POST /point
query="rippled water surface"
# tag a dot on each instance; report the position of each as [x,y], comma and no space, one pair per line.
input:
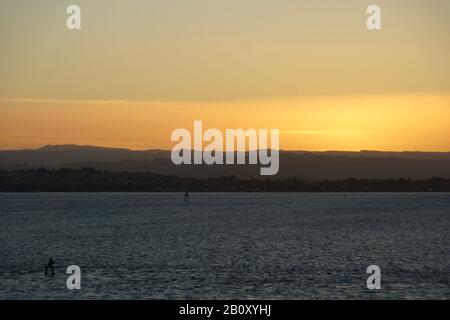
[225,245]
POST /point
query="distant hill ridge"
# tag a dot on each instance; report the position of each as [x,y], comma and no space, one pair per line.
[73,147]
[366,153]
[305,164]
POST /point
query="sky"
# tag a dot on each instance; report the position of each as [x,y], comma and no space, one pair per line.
[137,70]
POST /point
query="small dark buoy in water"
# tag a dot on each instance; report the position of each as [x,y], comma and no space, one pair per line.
[50,265]
[186,196]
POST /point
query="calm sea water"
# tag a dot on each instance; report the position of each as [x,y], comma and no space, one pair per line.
[225,245]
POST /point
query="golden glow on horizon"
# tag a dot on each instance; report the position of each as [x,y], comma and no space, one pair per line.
[398,122]
[227,63]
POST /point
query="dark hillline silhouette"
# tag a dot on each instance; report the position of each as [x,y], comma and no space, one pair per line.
[331,165]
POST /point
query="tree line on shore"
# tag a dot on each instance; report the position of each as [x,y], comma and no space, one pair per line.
[91,180]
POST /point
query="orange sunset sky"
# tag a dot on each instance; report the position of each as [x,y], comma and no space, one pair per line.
[140,69]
